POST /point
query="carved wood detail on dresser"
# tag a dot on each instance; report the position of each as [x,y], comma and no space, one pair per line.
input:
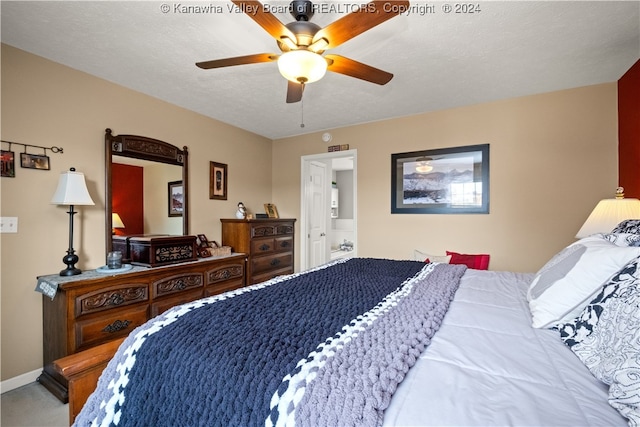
[94,308]
[269,244]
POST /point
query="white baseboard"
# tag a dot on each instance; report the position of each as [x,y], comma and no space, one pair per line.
[19,381]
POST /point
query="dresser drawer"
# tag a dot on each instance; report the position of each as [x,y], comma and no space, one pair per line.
[274,229]
[177,283]
[262,246]
[110,298]
[271,262]
[284,243]
[263,277]
[99,329]
[222,287]
[161,305]
[223,273]
[284,228]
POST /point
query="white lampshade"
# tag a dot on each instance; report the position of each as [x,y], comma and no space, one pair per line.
[116,221]
[302,66]
[72,190]
[607,214]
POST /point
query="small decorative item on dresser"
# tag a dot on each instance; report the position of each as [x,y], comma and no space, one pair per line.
[241,212]
[114,260]
[203,252]
[217,250]
[271,210]
[203,248]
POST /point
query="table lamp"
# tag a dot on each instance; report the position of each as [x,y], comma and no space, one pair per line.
[71,191]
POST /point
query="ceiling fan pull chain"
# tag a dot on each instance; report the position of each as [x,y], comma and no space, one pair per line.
[302,110]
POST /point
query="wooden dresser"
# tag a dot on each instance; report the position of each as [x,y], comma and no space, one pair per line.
[269,243]
[94,308]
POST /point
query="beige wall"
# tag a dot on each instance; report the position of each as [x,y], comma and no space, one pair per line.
[47,104]
[553,156]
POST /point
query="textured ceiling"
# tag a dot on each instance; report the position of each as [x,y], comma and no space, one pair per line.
[439,60]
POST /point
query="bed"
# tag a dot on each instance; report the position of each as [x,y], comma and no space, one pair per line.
[369,342]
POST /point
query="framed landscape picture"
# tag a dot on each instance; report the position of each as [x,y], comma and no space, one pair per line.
[176,198]
[441,181]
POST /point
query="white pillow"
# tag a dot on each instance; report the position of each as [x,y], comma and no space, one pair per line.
[425,257]
[564,286]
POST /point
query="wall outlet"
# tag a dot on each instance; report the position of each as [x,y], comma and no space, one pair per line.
[8,224]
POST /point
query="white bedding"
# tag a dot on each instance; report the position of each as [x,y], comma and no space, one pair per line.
[487,366]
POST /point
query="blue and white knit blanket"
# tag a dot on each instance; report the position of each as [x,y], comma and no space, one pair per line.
[324,347]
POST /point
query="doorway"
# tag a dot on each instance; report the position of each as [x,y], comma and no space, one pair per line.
[328,223]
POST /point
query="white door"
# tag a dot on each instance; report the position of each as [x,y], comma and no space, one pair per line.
[317,214]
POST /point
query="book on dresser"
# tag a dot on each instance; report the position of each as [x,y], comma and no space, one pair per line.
[268,243]
[94,308]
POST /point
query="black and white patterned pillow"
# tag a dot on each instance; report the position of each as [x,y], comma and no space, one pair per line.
[631,226]
[606,337]
[574,332]
[622,239]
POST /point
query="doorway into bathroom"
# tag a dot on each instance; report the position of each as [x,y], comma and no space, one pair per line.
[328,222]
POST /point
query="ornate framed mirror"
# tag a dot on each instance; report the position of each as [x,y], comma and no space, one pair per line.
[165,187]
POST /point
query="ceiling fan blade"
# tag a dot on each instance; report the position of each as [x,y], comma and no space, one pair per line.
[238,60]
[267,20]
[294,92]
[349,67]
[368,16]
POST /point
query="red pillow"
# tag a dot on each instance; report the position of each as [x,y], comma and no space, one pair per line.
[475,261]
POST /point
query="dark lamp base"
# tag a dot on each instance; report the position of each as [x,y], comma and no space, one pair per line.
[70,271]
[70,259]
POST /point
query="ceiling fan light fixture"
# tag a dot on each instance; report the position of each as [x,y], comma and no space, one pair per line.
[302,66]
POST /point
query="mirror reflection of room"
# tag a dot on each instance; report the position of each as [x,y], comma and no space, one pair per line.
[140,196]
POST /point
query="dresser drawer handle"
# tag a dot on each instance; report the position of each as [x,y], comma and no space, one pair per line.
[264,247]
[117,326]
[275,262]
[284,244]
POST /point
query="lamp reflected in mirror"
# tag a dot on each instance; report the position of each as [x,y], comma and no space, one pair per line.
[116,222]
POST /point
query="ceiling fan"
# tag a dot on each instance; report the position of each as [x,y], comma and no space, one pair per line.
[303,43]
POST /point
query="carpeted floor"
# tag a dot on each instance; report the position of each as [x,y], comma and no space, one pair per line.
[33,406]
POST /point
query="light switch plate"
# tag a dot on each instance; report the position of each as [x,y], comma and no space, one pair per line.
[8,224]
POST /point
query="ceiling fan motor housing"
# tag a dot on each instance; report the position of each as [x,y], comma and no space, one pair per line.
[301,10]
[304,32]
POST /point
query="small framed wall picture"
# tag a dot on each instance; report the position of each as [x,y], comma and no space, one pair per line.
[271,210]
[176,198]
[8,165]
[217,181]
[34,161]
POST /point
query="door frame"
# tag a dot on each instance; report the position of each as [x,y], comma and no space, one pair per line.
[304,204]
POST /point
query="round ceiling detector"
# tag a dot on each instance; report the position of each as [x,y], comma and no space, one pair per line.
[326,137]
